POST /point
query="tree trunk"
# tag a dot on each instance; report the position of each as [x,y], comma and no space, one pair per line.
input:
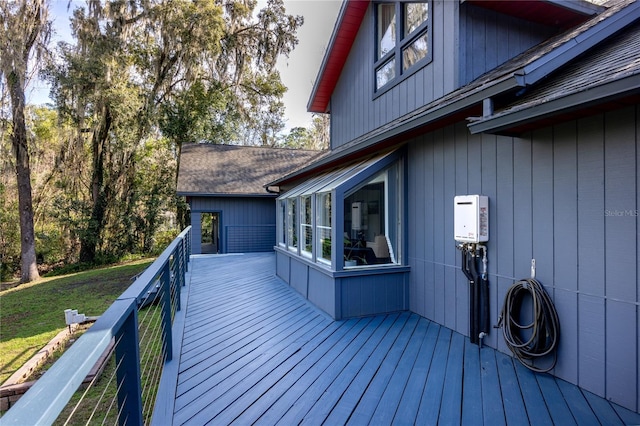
[28,267]
[91,236]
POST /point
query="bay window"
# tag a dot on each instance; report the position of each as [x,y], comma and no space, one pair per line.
[350,217]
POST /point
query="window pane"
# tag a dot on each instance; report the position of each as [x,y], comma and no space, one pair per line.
[282,239]
[415,14]
[323,222]
[385,73]
[386,28]
[306,212]
[415,51]
[324,209]
[292,239]
[306,225]
[365,223]
[372,222]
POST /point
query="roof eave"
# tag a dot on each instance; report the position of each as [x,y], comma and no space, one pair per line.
[223,195]
[546,64]
[503,123]
[344,33]
[583,7]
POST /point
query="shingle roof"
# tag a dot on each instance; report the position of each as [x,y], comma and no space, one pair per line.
[615,59]
[231,170]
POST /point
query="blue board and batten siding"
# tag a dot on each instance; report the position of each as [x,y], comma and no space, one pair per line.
[489,38]
[566,196]
[247,224]
[484,39]
[355,111]
[345,294]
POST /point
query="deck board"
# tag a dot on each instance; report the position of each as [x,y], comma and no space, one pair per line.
[338,333]
[492,405]
[429,409]
[534,402]
[582,412]
[452,392]
[472,403]
[255,352]
[288,398]
[558,409]
[368,391]
[606,414]
[349,384]
[412,394]
[515,412]
[320,386]
[390,400]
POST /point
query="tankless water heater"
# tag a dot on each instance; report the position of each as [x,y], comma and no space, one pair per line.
[471,218]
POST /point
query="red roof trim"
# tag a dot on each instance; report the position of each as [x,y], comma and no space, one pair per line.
[344,34]
[550,12]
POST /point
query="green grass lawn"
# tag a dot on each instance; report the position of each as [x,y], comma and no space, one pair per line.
[32,314]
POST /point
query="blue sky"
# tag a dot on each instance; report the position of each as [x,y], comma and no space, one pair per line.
[298,71]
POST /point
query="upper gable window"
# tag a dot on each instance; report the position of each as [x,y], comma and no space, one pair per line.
[402,40]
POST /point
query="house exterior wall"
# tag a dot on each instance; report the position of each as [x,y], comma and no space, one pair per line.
[488,39]
[345,295]
[566,196]
[247,224]
[354,109]
[467,41]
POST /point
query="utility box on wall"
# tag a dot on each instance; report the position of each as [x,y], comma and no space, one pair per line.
[471,218]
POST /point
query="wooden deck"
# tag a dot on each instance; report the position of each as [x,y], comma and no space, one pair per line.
[254,351]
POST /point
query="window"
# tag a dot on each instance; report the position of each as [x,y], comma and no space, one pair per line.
[366,200]
[323,203]
[292,224]
[282,213]
[402,40]
[371,212]
[306,226]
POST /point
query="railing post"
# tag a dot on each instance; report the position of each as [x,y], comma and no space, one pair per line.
[189,235]
[181,271]
[166,311]
[128,372]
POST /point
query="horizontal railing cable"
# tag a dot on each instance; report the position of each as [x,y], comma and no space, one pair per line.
[141,321]
[113,400]
[152,344]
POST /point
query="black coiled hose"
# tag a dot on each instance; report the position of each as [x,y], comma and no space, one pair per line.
[544,329]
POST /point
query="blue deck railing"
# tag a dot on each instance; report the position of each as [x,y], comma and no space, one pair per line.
[158,286]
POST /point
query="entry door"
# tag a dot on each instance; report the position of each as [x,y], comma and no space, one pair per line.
[210,232]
